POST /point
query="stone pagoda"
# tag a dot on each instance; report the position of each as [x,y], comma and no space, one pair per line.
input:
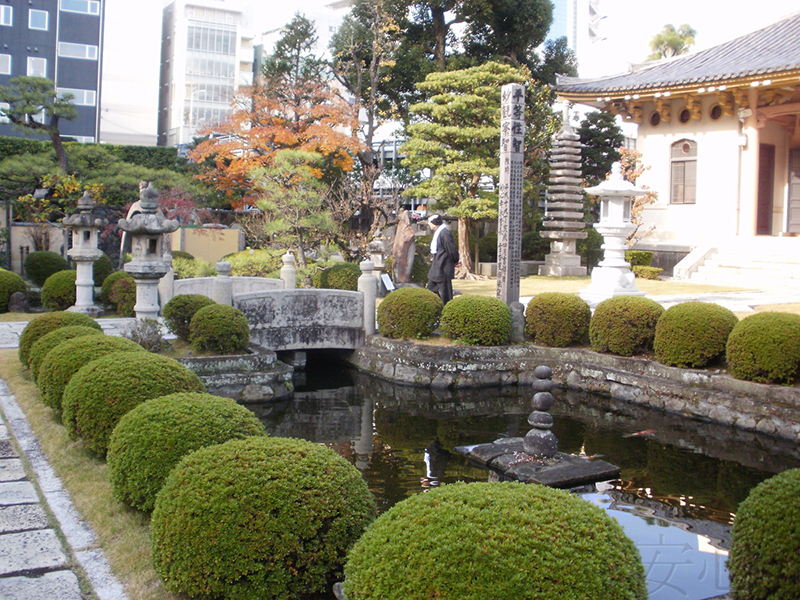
[563,219]
[85,224]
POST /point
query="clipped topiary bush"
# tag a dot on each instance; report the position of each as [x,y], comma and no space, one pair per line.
[647,272]
[494,540]
[46,323]
[639,258]
[9,284]
[123,296]
[178,312]
[624,325]
[557,319]
[42,264]
[259,518]
[47,342]
[219,329]
[341,276]
[765,347]
[104,390]
[765,541]
[182,254]
[477,320]
[153,437]
[63,361]
[101,269]
[58,292]
[105,288]
[410,312]
[693,334]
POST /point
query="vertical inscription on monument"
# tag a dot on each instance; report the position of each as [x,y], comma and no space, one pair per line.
[509,225]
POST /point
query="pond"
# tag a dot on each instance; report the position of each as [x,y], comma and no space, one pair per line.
[680,484]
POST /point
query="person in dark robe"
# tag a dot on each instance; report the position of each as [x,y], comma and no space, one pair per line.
[445,259]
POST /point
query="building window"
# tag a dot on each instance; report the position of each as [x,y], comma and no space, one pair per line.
[683,172]
[3,117]
[85,51]
[79,97]
[38,19]
[715,113]
[6,13]
[5,64]
[37,67]
[87,7]
[655,119]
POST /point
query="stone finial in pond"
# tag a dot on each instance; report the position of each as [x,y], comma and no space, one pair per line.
[540,441]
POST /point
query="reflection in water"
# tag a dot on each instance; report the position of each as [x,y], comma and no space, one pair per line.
[676,497]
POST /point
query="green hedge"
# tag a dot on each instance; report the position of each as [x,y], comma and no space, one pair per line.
[557,319]
[9,284]
[647,272]
[639,258]
[46,323]
[47,342]
[693,334]
[104,390]
[13,146]
[765,347]
[477,320]
[178,312]
[624,325]
[341,276]
[263,518]
[409,313]
[220,329]
[482,541]
[58,292]
[42,264]
[153,437]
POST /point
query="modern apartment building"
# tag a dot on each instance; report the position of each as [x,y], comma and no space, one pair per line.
[61,40]
[206,54]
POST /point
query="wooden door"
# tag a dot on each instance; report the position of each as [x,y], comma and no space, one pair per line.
[793,225]
[766,188]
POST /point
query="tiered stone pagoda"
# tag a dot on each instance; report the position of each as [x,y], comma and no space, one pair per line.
[564,205]
[85,223]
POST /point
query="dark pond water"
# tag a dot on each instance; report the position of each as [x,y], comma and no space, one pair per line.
[680,484]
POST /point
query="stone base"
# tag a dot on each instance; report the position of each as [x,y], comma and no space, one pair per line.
[508,457]
[560,271]
[92,311]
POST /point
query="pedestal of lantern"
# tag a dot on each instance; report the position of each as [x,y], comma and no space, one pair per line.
[85,223]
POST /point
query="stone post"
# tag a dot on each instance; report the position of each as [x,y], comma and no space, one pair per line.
[85,224]
[368,285]
[222,289]
[288,272]
[509,223]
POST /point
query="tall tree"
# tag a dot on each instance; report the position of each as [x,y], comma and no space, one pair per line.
[558,59]
[601,139]
[34,106]
[671,42]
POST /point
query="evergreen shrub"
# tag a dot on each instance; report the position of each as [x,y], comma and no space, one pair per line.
[494,540]
[624,325]
[639,258]
[153,437]
[101,269]
[47,342]
[765,347]
[110,280]
[419,270]
[58,292]
[46,323]
[182,254]
[647,272]
[487,248]
[63,361]
[341,276]
[408,313]
[123,296]
[261,263]
[9,284]
[178,312]
[557,319]
[219,329]
[104,390]
[42,264]
[262,517]
[477,320]
[693,334]
[186,268]
[764,560]
[534,246]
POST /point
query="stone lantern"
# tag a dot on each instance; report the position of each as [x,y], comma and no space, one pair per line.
[147,228]
[85,223]
[613,275]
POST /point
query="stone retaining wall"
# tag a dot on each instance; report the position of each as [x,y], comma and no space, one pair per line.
[701,394]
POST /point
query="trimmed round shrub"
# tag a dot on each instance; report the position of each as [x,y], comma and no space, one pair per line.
[123,296]
[557,319]
[47,342]
[409,312]
[58,292]
[46,323]
[101,269]
[104,390]
[693,334]
[494,540]
[178,312]
[765,347]
[639,258]
[182,254]
[341,276]
[42,264]
[105,288]
[764,561]
[263,518]
[63,361]
[9,284]
[477,320]
[220,329]
[624,325]
[153,437]
[647,272]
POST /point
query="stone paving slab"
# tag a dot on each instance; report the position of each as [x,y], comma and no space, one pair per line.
[11,469]
[22,517]
[58,585]
[7,449]
[17,492]
[28,551]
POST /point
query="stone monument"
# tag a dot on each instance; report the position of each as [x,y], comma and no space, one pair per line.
[403,249]
[85,224]
[564,205]
[509,222]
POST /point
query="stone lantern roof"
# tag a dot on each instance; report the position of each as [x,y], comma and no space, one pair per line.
[86,215]
[616,186]
[150,220]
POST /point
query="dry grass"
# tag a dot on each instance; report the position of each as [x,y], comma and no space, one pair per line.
[122,533]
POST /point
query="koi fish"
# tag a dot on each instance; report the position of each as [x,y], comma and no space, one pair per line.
[640,433]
